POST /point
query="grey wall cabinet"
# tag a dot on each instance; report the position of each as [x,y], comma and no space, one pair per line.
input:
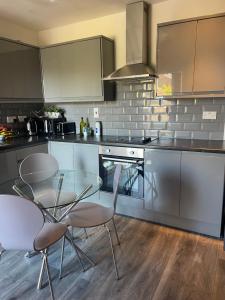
[202,187]
[162,181]
[191,58]
[210,56]
[175,56]
[74,71]
[51,72]
[20,72]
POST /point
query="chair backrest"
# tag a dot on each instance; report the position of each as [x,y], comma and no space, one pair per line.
[20,222]
[38,167]
[116,180]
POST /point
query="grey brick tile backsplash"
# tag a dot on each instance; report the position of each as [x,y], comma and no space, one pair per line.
[136,112]
[17,109]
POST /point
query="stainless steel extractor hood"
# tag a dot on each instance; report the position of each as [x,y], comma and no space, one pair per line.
[136,67]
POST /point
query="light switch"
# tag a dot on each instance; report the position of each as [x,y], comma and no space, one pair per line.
[96,114]
[21,118]
[209,115]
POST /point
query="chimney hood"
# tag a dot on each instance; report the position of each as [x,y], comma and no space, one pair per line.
[136,67]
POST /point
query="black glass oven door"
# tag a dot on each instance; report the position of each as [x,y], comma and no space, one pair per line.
[132,176]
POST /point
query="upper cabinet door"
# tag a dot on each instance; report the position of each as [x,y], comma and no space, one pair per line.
[80,69]
[175,58]
[51,72]
[210,56]
[20,72]
[73,71]
[6,70]
[33,74]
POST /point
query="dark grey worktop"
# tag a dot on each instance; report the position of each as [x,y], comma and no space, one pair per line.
[20,142]
[169,144]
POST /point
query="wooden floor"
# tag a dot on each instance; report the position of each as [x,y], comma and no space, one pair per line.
[155,262]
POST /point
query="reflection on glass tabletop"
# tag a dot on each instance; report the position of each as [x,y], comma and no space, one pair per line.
[59,189]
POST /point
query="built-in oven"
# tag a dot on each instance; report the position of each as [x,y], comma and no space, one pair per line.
[132,176]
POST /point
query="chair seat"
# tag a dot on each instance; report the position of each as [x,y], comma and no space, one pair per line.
[87,214]
[50,233]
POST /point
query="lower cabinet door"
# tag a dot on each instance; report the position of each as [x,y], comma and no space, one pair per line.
[202,187]
[162,181]
[8,166]
[64,154]
[24,152]
[86,158]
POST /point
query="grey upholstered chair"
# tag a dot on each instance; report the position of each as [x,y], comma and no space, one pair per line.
[87,215]
[34,170]
[22,227]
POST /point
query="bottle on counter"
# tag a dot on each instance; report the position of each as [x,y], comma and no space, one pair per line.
[98,128]
[87,123]
[82,125]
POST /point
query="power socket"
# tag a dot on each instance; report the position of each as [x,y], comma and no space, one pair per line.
[209,115]
[11,119]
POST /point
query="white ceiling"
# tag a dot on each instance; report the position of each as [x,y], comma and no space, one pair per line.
[44,14]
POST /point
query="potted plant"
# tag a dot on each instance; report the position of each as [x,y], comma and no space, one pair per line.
[52,111]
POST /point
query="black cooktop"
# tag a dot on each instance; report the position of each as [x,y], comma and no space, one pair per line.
[128,140]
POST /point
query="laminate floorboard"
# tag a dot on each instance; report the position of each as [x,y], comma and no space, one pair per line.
[155,263]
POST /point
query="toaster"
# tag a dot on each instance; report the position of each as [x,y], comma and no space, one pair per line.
[66,128]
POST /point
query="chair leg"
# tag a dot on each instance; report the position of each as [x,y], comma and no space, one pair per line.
[113,254]
[75,249]
[85,231]
[62,255]
[114,225]
[39,285]
[1,251]
[48,273]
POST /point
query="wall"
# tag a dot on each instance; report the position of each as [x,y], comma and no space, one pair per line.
[16,32]
[17,109]
[112,26]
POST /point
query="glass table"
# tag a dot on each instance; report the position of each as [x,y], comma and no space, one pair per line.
[58,193]
[58,190]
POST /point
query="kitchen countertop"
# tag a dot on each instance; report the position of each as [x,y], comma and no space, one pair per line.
[20,142]
[163,143]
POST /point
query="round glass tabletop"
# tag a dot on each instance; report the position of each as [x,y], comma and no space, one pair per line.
[60,189]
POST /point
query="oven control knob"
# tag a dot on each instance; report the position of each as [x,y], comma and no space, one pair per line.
[131,152]
[107,150]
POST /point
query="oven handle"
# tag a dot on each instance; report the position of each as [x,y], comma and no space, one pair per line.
[122,160]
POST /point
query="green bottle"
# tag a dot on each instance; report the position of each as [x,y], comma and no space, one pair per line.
[87,123]
[82,125]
